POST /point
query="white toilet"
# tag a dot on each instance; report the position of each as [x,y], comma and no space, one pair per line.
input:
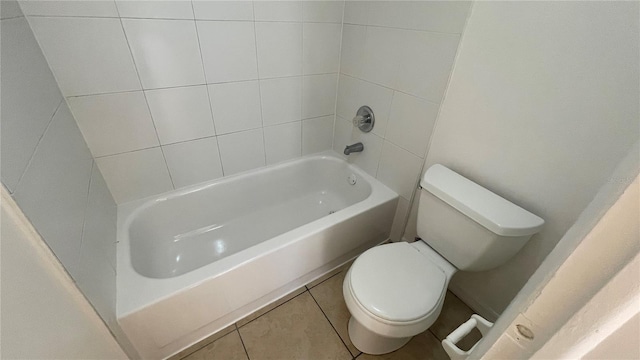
[396,291]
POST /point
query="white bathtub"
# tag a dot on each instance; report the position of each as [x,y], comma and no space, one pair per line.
[193,261]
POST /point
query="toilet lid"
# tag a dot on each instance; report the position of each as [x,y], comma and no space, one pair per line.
[396,282]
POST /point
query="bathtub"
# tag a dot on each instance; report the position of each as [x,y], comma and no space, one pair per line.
[195,260]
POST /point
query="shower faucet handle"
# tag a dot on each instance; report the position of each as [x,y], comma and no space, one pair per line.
[364,119]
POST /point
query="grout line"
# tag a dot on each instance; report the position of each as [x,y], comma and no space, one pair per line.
[13,17]
[392,89]
[235,20]
[405,29]
[205,345]
[323,281]
[180,19]
[255,40]
[261,315]
[155,129]
[15,188]
[335,105]
[84,220]
[204,72]
[330,323]
[301,80]
[242,341]
[202,84]
[433,334]
[206,137]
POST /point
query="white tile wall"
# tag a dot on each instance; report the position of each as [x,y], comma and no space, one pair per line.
[53,190]
[97,266]
[206,69]
[10,9]
[30,96]
[415,43]
[318,95]
[236,106]
[242,151]
[281,100]
[399,169]
[279,49]
[223,10]
[426,63]
[96,8]
[87,55]
[387,44]
[317,134]
[436,16]
[193,162]
[283,142]
[353,40]
[48,164]
[321,48]
[278,10]
[367,160]
[166,52]
[399,220]
[137,174]
[238,60]
[411,120]
[322,11]
[181,114]
[353,93]
[114,123]
[99,230]
[341,135]
[159,10]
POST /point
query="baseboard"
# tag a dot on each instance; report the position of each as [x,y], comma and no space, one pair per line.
[479,308]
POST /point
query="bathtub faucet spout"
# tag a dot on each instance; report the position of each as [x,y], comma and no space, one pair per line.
[357,147]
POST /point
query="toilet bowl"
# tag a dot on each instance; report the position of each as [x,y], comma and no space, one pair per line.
[397,290]
[391,303]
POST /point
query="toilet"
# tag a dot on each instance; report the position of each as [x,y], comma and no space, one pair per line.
[396,291]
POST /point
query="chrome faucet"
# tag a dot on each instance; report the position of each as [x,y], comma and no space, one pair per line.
[357,147]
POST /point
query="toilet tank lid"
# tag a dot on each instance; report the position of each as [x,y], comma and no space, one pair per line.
[495,213]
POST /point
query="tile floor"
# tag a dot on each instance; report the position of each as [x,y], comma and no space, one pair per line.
[311,323]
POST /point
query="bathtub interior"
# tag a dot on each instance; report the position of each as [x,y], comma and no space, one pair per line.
[177,234]
[162,316]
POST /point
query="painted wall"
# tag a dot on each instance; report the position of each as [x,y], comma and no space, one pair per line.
[44,316]
[48,169]
[599,245]
[396,58]
[172,93]
[542,105]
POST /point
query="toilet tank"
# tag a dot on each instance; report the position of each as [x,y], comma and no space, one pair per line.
[470,226]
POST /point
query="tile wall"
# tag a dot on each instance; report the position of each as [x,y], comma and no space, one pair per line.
[396,57]
[173,93]
[48,168]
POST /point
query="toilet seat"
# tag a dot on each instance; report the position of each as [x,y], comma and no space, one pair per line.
[395,283]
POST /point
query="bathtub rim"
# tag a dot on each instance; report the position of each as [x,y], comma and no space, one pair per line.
[135,291]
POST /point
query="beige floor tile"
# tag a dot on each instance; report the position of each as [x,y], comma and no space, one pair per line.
[454,313]
[202,343]
[329,297]
[295,330]
[331,274]
[228,347]
[273,305]
[423,346]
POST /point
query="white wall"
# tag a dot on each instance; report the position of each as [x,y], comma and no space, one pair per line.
[44,316]
[48,168]
[557,301]
[542,105]
[396,58]
[172,93]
